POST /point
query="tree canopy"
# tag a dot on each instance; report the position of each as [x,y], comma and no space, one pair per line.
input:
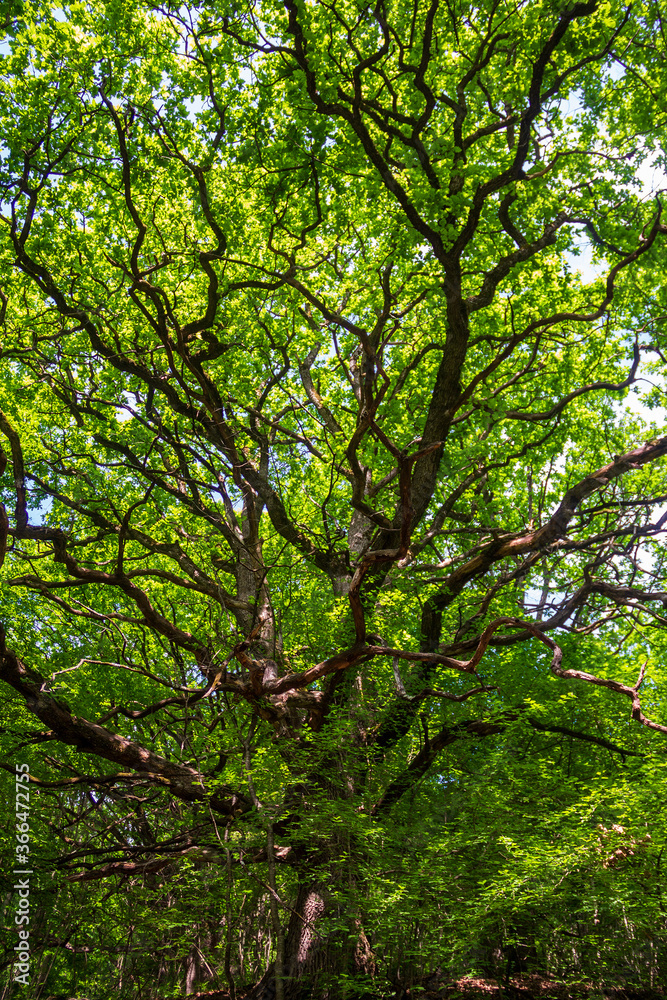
[334,580]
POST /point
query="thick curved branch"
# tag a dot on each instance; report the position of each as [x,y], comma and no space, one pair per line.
[181,781]
[18,465]
[581,675]
[555,528]
[452,734]
[426,756]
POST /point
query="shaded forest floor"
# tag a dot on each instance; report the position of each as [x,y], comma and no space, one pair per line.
[528,987]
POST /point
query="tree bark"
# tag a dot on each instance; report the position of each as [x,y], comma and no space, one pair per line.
[324,947]
[305,946]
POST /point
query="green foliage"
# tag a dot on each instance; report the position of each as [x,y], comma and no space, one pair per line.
[333,592]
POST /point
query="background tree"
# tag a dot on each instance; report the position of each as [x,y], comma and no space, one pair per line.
[328,539]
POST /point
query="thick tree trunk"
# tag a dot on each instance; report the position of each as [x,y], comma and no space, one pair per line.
[306,951]
[323,946]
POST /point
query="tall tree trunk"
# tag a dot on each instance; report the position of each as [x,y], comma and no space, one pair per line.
[323,944]
[306,949]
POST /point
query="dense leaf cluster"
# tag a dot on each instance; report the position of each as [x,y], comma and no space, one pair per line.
[334,580]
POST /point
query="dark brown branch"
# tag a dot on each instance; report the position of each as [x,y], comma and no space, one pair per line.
[181,781]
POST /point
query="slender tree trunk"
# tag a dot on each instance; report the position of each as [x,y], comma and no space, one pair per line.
[228,919]
[279,965]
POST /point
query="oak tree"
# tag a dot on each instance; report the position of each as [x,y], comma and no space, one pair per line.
[316,458]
